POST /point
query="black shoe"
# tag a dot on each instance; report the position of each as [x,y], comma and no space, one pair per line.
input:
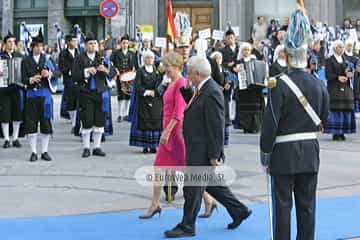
[153,150]
[145,150]
[99,152]
[33,157]
[6,144]
[16,144]
[119,119]
[178,232]
[342,137]
[336,137]
[126,118]
[148,216]
[237,222]
[46,157]
[249,131]
[86,153]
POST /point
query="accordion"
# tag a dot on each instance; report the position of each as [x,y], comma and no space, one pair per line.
[252,73]
[10,72]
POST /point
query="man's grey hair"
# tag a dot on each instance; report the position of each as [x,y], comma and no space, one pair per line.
[297,57]
[201,65]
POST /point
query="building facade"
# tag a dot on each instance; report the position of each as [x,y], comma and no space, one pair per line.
[203,13]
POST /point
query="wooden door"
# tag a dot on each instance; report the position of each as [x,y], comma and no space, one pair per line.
[200,17]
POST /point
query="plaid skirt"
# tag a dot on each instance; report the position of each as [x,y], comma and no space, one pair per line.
[139,138]
[357,106]
[226,135]
[144,139]
[341,123]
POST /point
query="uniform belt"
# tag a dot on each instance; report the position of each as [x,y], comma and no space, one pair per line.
[296,137]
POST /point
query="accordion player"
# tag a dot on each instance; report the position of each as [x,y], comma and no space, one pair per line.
[252,74]
[10,72]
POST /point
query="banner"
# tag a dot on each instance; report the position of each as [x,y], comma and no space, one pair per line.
[218,35]
[147,31]
[33,30]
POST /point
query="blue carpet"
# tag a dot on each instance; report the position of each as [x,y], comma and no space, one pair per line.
[336,219]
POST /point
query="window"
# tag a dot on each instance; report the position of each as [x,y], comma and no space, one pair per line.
[351,9]
[277,9]
[41,3]
[21,4]
[24,4]
[94,2]
[75,3]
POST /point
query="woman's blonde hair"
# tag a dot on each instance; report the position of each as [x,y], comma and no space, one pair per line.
[173,59]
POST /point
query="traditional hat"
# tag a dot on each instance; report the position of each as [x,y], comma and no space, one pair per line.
[39,38]
[8,36]
[297,38]
[90,37]
[69,37]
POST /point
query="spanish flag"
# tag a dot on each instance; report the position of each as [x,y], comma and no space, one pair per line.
[170,30]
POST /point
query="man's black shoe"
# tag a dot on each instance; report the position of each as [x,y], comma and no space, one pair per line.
[86,153]
[238,221]
[46,157]
[6,144]
[178,232]
[99,152]
[33,157]
[16,144]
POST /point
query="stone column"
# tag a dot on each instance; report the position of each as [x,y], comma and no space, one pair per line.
[146,13]
[240,13]
[324,11]
[7,8]
[56,15]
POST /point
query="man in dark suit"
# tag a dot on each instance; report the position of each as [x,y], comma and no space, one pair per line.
[66,60]
[203,131]
[297,109]
[230,51]
[91,73]
[36,74]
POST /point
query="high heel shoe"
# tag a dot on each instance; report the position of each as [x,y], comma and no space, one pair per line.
[207,215]
[157,210]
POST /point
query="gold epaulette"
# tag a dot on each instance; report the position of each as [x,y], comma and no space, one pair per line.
[271,82]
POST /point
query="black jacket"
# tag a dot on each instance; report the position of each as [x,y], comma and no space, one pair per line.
[82,62]
[203,126]
[30,68]
[341,94]
[149,109]
[123,62]
[229,56]
[285,115]
[66,61]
